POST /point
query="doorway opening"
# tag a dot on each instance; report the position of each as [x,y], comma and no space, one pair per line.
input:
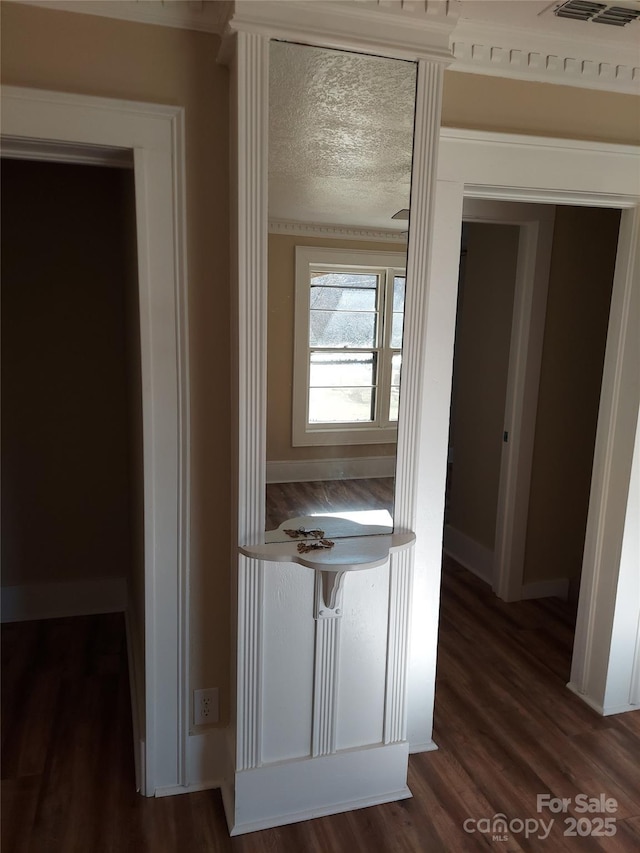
[573,339]
[72,456]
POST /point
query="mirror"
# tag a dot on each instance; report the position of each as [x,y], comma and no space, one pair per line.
[340,147]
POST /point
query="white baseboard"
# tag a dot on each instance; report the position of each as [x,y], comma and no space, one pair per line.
[603,710]
[293,791]
[67,598]
[207,763]
[477,558]
[428,746]
[558,588]
[310,470]
[136,686]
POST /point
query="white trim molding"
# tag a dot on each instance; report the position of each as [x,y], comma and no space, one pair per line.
[401,29]
[250,82]
[473,555]
[336,232]
[293,791]
[544,57]
[155,134]
[368,25]
[527,169]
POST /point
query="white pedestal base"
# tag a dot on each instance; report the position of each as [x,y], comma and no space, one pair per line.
[291,791]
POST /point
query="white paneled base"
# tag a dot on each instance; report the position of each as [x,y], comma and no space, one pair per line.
[474,556]
[208,755]
[291,791]
[603,710]
[67,598]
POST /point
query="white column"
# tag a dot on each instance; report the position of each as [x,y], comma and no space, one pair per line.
[251,91]
[410,451]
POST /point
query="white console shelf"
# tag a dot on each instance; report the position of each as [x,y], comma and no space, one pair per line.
[350,554]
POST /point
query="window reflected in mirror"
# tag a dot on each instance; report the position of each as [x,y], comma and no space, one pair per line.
[340,141]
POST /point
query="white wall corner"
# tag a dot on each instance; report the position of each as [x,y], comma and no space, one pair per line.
[474,556]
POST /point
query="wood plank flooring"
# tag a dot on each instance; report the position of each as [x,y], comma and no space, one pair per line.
[507,728]
[290,500]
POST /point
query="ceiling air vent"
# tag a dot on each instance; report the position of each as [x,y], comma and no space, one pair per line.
[616,15]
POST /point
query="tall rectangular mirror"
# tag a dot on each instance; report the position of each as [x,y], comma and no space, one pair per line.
[340,148]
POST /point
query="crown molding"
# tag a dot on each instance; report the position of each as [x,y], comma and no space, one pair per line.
[335,232]
[408,29]
[545,58]
[201,15]
[403,29]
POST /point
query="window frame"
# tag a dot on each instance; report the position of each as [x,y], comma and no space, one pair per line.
[382,430]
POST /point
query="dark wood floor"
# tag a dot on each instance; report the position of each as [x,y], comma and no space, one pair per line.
[507,728]
[292,500]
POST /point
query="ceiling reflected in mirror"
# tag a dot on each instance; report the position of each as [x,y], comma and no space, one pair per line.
[340,148]
[340,137]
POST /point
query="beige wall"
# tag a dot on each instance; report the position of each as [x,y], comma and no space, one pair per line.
[582,264]
[99,56]
[483,337]
[280,335]
[515,106]
[65,450]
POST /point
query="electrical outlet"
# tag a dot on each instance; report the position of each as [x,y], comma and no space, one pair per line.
[205,706]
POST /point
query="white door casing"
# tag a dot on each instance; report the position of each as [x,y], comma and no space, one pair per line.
[535,223]
[555,171]
[155,135]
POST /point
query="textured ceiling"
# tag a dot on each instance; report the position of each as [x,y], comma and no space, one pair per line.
[340,136]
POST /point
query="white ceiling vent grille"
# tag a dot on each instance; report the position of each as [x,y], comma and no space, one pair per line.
[616,15]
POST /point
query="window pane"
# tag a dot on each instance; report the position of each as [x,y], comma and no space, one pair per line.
[342,329]
[394,399]
[396,366]
[398,293]
[343,298]
[332,369]
[396,330]
[343,279]
[340,405]
[393,403]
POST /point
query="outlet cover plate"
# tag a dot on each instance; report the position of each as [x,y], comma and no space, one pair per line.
[205,706]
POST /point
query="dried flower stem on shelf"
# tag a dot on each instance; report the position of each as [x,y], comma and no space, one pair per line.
[305,547]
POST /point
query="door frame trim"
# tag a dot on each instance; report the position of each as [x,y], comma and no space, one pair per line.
[535,225]
[155,135]
[528,169]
